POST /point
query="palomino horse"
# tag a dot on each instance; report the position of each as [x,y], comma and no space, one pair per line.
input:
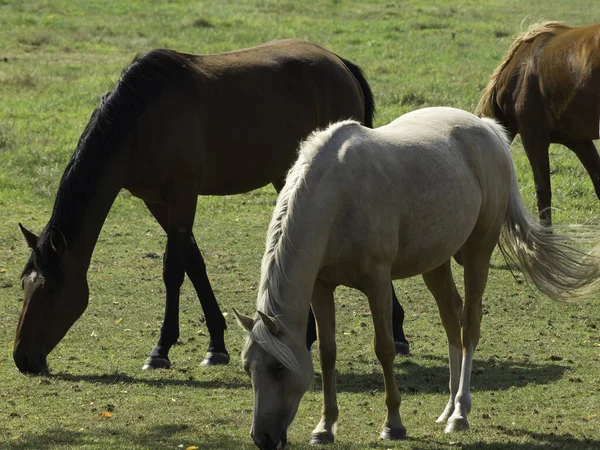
[364,206]
[547,89]
[177,126]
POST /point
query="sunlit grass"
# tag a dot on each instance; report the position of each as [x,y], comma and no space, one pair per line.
[536,378]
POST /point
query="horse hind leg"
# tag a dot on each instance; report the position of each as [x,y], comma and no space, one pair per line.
[196,270]
[441,285]
[536,147]
[215,322]
[379,293]
[477,253]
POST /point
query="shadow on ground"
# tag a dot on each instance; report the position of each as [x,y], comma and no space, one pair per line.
[165,436]
[488,375]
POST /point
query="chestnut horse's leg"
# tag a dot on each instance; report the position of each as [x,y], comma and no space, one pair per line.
[441,285]
[536,147]
[196,270]
[322,304]
[588,155]
[379,292]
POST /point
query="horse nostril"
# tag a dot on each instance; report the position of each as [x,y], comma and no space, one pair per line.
[264,442]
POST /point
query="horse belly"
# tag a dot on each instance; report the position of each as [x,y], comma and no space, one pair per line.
[432,235]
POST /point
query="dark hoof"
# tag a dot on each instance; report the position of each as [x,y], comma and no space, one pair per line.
[156,362]
[393,434]
[402,348]
[322,438]
[215,359]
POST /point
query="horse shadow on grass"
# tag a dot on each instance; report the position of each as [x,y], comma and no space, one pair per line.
[152,438]
[514,438]
[165,436]
[432,376]
[118,377]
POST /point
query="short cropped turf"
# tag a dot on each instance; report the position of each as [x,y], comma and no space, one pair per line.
[536,377]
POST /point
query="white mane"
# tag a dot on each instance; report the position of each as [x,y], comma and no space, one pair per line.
[273,273]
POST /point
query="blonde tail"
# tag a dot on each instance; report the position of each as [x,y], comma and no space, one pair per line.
[553,262]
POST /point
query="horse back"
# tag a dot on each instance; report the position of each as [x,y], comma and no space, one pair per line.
[418,186]
[236,124]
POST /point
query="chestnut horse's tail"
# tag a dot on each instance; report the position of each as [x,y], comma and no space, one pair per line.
[366,89]
[553,262]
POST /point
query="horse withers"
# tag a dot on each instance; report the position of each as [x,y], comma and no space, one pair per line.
[547,89]
[362,207]
[176,126]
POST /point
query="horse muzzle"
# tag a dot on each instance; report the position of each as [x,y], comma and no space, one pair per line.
[264,441]
[30,362]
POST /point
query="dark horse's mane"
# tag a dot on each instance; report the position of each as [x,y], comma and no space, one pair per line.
[140,85]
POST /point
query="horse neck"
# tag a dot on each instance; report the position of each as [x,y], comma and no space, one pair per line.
[98,192]
[291,266]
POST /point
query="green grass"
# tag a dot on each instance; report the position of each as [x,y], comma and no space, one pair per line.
[536,380]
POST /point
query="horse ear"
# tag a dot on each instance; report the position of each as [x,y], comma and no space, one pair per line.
[245,322]
[58,240]
[270,322]
[30,238]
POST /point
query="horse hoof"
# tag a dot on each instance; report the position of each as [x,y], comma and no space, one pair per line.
[325,437]
[156,362]
[215,359]
[456,425]
[402,348]
[393,434]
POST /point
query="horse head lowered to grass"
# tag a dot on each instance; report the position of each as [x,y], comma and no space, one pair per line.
[362,207]
[177,126]
[547,90]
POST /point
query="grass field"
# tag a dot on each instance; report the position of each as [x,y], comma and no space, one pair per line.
[536,380]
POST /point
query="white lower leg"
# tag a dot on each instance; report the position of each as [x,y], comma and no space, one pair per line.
[462,403]
[454,357]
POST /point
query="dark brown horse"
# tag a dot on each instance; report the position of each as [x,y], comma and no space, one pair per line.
[177,126]
[547,89]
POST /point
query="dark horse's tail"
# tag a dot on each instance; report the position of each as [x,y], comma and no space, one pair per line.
[367,93]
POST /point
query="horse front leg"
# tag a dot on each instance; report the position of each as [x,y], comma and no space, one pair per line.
[181,213]
[379,294]
[324,312]
[588,155]
[400,342]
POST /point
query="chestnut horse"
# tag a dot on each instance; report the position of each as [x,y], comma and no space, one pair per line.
[547,89]
[177,126]
[432,182]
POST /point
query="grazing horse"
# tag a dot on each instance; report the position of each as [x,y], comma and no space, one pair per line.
[547,89]
[177,126]
[362,207]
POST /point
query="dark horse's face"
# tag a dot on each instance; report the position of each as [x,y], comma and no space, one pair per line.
[55,296]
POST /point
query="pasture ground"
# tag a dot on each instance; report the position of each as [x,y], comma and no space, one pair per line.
[536,380]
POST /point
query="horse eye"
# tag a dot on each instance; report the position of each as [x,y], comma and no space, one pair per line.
[278,371]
